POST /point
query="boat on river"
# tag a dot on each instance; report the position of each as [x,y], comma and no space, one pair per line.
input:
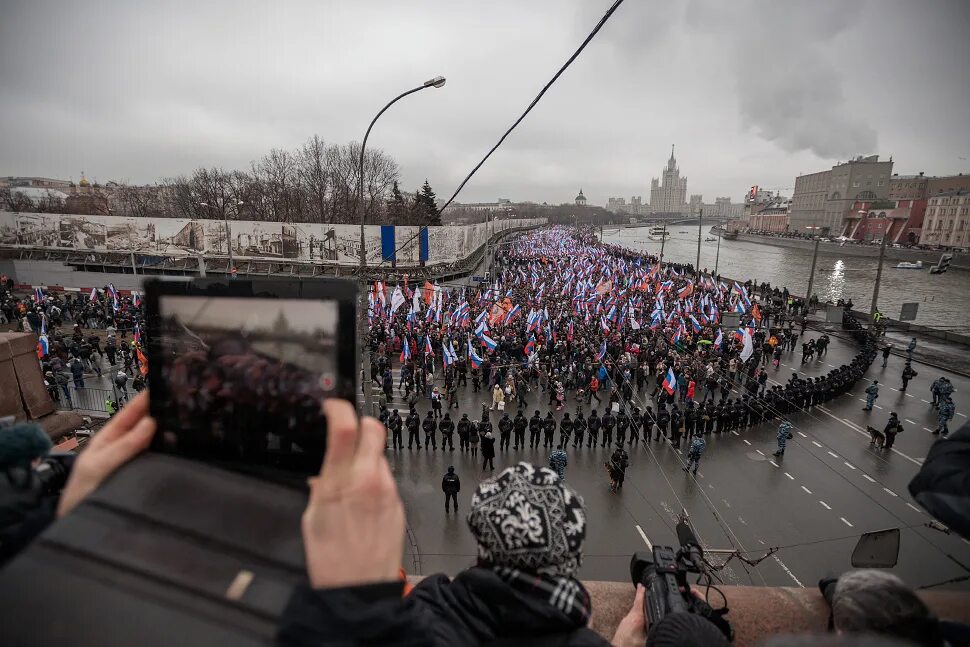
[657,233]
[710,239]
[905,265]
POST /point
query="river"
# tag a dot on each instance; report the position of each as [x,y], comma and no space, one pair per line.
[943,298]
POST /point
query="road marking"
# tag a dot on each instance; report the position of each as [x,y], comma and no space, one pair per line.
[735,433]
[849,465]
[746,441]
[878,407]
[817,444]
[760,452]
[890,491]
[790,574]
[742,520]
[846,522]
[913,507]
[802,435]
[825,505]
[910,395]
[789,476]
[862,432]
[645,540]
[927,429]
[773,463]
[912,422]
[833,454]
[861,399]
[868,478]
[806,489]
[962,415]
[926,401]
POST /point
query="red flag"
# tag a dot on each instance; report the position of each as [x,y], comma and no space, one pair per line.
[756,312]
[428,292]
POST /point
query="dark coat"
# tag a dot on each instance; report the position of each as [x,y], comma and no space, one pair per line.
[488,447]
[477,607]
[25,511]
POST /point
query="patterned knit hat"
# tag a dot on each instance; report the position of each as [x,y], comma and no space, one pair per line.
[526,518]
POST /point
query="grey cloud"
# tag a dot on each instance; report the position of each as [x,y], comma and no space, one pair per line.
[751,91]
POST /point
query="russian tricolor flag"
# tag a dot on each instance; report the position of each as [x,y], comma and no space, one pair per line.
[670,382]
[530,346]
[473,357]
[406,351]
[38,295]
[601,355]
[513,313]
[490,343]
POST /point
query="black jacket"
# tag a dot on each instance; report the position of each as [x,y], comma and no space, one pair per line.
[476,608]
[451,484]
[25,511]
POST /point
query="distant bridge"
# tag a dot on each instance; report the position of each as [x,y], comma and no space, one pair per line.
[659,222]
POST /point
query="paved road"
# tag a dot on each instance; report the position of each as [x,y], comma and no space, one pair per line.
[829,487]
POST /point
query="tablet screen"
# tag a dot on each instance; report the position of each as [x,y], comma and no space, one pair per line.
[244,378]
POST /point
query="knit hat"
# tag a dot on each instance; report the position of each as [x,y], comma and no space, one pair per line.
[526,518]
[22,443]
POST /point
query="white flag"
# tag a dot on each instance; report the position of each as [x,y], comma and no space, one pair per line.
[416,302]
[748,349]
[397,299]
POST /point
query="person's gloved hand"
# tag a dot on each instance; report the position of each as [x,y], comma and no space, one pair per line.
[128,434]
[353,526]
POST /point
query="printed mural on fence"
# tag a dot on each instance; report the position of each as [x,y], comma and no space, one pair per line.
[309,242]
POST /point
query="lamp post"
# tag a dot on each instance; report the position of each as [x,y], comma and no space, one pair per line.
[436,82]
[874,306]
[700,226]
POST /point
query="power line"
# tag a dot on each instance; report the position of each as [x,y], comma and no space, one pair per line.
[542,92]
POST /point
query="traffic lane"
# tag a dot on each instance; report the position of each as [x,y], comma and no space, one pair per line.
[710,514]
[830,428]
[886,508]
[611,534]
[859,508]
[752,487]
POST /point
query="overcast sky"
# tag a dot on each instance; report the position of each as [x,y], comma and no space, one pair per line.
[750,91]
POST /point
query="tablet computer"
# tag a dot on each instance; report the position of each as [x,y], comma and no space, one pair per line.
[238,370]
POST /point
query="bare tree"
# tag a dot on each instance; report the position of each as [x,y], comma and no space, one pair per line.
[314,180]
[316,183]
[16,200]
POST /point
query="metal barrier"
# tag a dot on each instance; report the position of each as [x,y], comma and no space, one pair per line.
[86,399]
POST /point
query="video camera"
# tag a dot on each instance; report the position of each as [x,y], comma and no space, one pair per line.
[663,573]
[54,470]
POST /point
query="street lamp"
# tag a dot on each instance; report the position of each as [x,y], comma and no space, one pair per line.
[436,82]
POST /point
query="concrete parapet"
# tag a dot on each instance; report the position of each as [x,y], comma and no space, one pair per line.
[757,613]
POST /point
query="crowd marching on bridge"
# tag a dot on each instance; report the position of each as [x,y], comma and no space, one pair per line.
[566,316]
[569,316]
